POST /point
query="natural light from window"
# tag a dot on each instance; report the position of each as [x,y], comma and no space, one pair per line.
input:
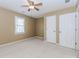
[19,25]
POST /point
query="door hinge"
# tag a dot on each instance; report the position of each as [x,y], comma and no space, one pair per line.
[75,43]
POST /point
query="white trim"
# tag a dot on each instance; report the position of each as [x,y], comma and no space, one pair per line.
[16,19]
[59,45]
[10,43]
[6,44]
[77,32]
[39,37]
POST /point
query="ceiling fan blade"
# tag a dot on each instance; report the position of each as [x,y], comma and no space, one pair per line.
[30,2]
[25,6]
[39,4]
[28,9]
[36,9]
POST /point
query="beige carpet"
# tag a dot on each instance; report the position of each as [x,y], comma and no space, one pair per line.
[35,48]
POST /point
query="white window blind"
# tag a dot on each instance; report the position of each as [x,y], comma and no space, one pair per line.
[19,25]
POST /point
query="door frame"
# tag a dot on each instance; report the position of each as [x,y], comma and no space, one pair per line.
[74,29]
[57,27]
[77,27]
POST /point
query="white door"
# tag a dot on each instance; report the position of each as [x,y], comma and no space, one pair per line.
[51,29]
[67,30]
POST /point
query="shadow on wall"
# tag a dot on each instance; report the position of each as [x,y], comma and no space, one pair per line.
[40,27]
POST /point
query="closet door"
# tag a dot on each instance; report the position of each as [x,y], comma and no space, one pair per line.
[67,30]
[51,29]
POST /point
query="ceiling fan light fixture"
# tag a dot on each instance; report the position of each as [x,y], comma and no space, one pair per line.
[31,7]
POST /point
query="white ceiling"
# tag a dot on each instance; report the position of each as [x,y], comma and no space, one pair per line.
[48,6]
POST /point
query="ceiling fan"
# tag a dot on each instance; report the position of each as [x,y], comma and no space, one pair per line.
[32,5]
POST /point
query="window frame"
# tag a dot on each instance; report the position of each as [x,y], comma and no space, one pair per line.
[16,25]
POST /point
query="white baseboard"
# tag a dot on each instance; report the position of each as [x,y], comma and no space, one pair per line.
[39,37]
[14,42]
[60,45]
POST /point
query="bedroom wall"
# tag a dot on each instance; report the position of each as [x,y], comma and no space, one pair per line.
[7,25]
[33,27]
[40,27]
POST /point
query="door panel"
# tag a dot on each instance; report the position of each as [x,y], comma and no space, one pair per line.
[51,29]
[67,29]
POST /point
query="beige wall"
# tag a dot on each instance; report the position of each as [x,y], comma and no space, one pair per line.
[32,27]
[40,27]
[58,13]
[7,26]
[63,11]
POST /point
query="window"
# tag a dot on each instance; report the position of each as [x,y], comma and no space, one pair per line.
[19,25]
